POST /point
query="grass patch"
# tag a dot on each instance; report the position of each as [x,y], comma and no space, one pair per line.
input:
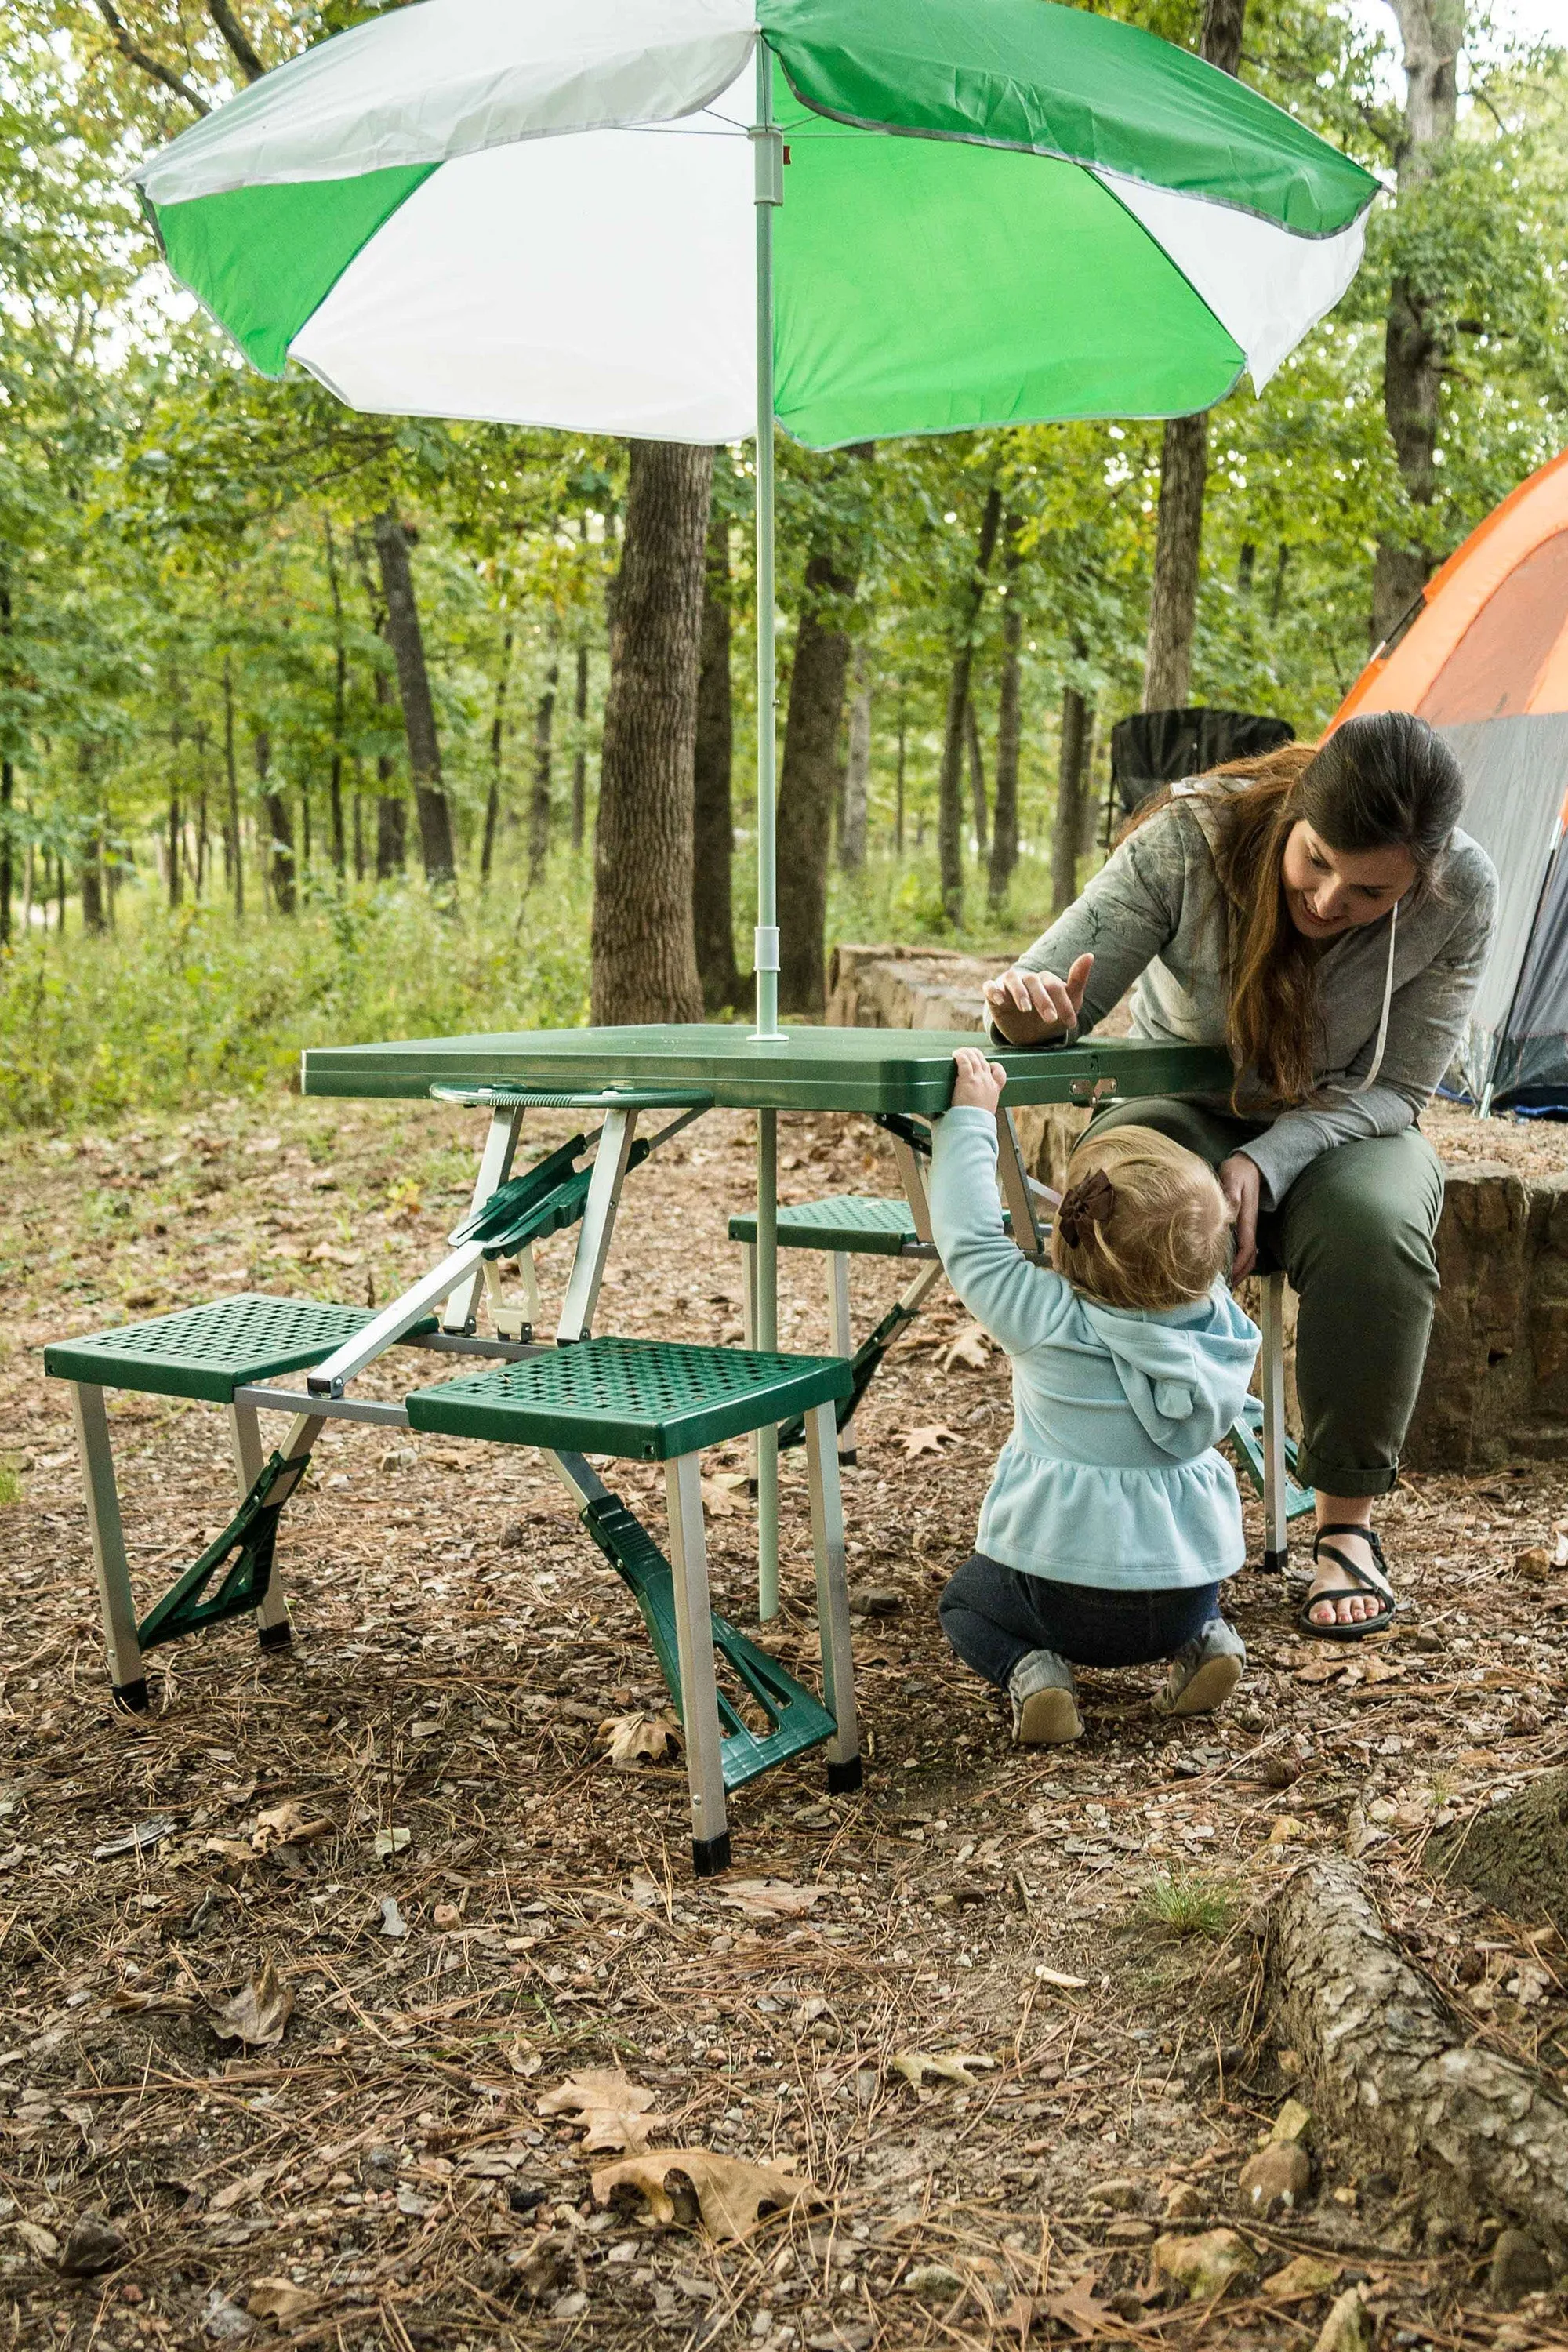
[1185,1903]
[10,1484]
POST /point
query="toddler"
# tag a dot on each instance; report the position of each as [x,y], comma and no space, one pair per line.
[1110,1520]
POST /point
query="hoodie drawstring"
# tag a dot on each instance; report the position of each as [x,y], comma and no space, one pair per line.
[1371,1078]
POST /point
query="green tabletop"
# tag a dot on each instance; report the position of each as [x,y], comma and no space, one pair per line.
[807,1069]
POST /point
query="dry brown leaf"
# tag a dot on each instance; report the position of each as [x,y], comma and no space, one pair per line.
[770,1898]
[154,2004]
[722,1501]
[971,1348]
[929,1438]
[239,2192]
[730,2194]
[256,2016]
[39,2241]
[914,2065]
[281,2299]
[288,1825]
[1305,2274]
[639,1738]
[615,2111]
[1075,2307]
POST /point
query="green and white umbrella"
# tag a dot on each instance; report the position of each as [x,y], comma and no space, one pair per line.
[563,212]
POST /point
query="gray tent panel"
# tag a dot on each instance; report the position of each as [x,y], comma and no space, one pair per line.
[1516,772]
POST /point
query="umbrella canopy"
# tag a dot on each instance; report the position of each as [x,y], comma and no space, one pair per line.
[543,215]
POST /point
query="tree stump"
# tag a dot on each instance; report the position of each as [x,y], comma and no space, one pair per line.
[1516,1854]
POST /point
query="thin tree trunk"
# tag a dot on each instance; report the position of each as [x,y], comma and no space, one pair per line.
[340,706]
[93,914]
[1009,724]
[1068,832]
[390,807]
[857,771]
[280,876]
[176,835]
[305,842]
[498,748]
[7,777]
[898,776]
[580,756]
[809,781]
[1416,345]
[538,800]
[713,824]
[203,842]
[407,644]
[644,958]
[233,851]
[359,820]
[1183,470]
[976,759]
[950,796]
[60,891]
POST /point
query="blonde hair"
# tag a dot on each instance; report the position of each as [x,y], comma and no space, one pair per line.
[1168,1235]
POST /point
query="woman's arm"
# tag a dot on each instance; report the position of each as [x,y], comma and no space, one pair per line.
[1426,1019]
[1122,918]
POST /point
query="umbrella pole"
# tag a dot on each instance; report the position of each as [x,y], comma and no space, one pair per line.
[767,150]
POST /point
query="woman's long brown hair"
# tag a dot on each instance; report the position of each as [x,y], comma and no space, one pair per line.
[1380,783]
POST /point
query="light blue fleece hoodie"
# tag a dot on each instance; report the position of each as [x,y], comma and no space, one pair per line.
[1109,1476]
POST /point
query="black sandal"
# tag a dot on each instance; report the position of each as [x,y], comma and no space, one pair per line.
[1362,1580]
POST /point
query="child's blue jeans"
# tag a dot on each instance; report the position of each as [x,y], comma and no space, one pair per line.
[994,1615]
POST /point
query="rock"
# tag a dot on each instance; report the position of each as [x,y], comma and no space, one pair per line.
[1292,2123]
[224,2321]
[1303,2275]
[1347,2328]
[1205,2266]
[1121,2196]
[931,2278]
[94,2244]
[1277,2178]
[1518,2268]
[1129,2234]
[875,1600]
[1185,2201]
[1534,1561]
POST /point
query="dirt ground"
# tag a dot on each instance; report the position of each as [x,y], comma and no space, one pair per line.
[408,1828]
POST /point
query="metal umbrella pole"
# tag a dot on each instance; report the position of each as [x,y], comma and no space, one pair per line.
[767,152]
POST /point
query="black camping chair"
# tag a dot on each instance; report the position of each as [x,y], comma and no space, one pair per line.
[1154,748]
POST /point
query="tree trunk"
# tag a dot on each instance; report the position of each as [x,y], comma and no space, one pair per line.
[407,644]
[713,821]
[644,958]
[390,808]
[1183,469]
[280,874]
[976,776]
[498,746]
[233,847]
[539,803]
[898,776]
[857,771]
[7,779]
[175,846]
[93,914]
[950,798]
[1515,1853]
[809,781]
[1068,831]
[580,756]
[340,706]
[203,842]
[1009,725]
[1415,348]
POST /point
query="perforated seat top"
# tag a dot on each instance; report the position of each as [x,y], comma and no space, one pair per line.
[644,1400]
[209,1351]
[853,1223]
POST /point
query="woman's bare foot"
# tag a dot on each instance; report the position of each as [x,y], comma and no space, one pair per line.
[1346,1609]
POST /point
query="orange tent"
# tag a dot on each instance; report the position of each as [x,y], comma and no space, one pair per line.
[1484,657]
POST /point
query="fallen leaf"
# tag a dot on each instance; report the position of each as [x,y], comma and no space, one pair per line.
[279,2299]
[1205,2265]
[1292,2123]
[1077,2307]
[391,1842]
[1348,2328]
[971,1348]
[288,1825]
[126,1998]
[615,2111]
[730,2194]
[723,1501]
[224,1849]
[639,1738]
[914,2065]
[239,2192]
[1284,1828]
[39,2241]
[770,1898]
[1055,1977]
[256,2016]
[393,1922]
[94,2244]
[1305,2274]
[931,2278]
[929,1439]
[135,1840]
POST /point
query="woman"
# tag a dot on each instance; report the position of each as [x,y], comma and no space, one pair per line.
[1318,913]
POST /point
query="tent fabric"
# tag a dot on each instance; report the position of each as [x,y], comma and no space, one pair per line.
[1485,660]
[1153,748]
[1089,223]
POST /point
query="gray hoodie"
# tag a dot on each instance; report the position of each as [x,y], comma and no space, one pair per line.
[1154,915]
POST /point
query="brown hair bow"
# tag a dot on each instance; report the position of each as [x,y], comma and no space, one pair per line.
[1089,1203]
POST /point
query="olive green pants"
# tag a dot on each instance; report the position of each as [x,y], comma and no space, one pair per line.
[1355,1237]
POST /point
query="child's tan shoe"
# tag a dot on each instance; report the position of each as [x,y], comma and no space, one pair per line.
[1045,1701]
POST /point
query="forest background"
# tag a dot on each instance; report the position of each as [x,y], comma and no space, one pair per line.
[302,713]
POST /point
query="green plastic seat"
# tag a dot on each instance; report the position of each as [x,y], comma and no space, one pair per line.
[207,1352]
[643,1399]
[852,1224]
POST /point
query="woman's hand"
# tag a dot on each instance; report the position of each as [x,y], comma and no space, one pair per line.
[979,1083]
[1028,1007]
[1241,1181]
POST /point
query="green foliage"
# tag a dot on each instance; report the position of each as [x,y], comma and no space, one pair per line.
[10,1486]
[1184,1902]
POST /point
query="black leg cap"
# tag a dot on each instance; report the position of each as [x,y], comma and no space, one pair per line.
[131,1697]
[842,1777]
[277,1637]
[1273,1563]
[848,1457]
[752,1488]
[711,1856]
